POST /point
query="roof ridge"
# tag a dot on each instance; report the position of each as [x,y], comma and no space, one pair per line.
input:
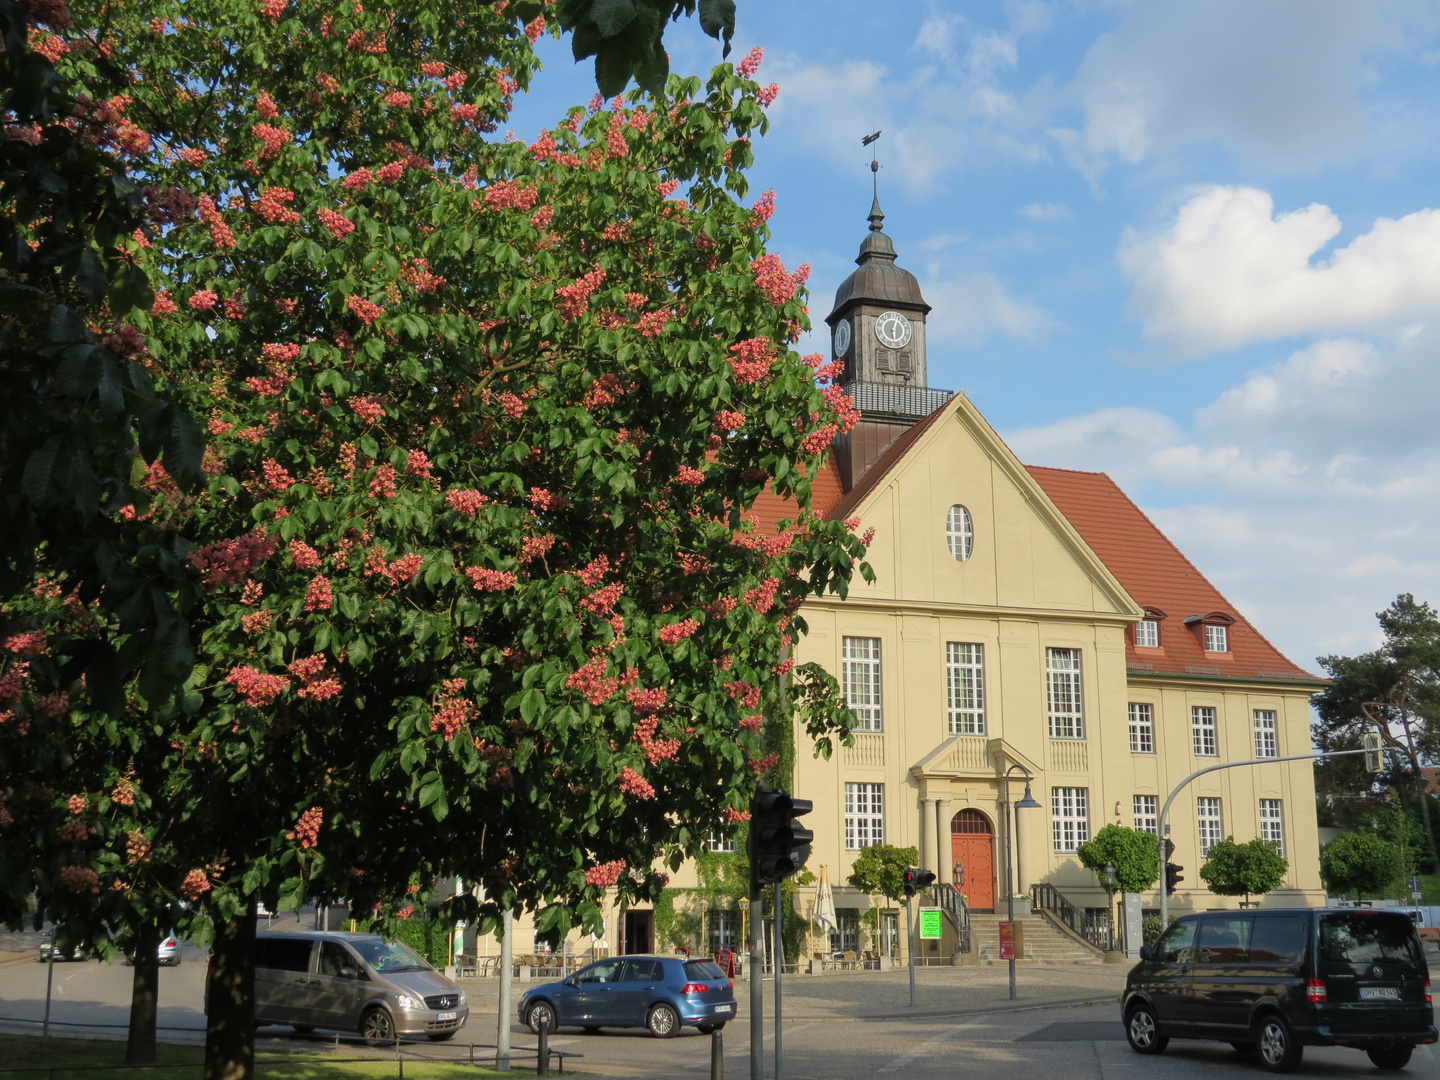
[1233,608]
[891,457]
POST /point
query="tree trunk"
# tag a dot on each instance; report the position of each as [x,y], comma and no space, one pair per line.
[144,998]
[1425,812]
[230,1002]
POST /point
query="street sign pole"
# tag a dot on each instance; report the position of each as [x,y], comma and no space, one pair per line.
[910,931]
[779,955]
[756,971]
[1164,810]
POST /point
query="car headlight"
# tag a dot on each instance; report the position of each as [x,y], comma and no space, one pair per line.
[405,1001]
[462,999]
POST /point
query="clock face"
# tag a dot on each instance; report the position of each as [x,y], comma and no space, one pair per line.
[842,337]
[893,330]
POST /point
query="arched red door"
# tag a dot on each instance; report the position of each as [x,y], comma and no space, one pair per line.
[972,845]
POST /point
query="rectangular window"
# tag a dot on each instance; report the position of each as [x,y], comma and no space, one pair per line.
[1202,726]
[965,687]
[1142,728]
[1272,823]
[1267,735]
[864,815]
[1070,817]
[1212,827]
[1062,684]
[1147,634]
[1217,639]
[1147,810]
[860,662]
[725,845]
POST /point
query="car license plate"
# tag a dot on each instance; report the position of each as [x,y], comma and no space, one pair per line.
[724,1008]
[445,1016]
[1381,993]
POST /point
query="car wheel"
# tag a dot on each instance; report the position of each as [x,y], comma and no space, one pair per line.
[1279,1052]
[1143,1030]
[1393,1056]
[378,1028]
[663,1021]
[541,1014]
[440,1036]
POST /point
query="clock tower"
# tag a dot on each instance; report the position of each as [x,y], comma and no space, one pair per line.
[877,330]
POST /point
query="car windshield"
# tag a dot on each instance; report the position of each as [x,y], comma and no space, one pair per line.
[702,969]
[388,956]
[1363,938]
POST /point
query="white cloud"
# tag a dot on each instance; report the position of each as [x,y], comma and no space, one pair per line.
[1228,270]
[1045,211]
[1276,82]
[970,308]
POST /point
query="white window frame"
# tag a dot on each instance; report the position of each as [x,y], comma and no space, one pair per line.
[960,533]
[1272,823]
[1147,633]
[1064,693]
[1217,638]
[1147,813]
[1205,730]
[864,815]
[1069,817]
[860,673]
[1210,820]
[1267,733]
[965,687]
[723,845]
[1142,727]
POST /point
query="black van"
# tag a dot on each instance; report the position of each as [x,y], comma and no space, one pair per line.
[1277,981]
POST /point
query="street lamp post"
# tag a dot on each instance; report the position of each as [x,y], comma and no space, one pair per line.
[1011,820]
[1110,902]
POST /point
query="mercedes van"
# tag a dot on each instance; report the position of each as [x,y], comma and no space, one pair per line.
[1276,981]
[353,982]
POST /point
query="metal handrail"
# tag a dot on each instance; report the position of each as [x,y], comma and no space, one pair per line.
[948,897]
[1093,928]
[907,401]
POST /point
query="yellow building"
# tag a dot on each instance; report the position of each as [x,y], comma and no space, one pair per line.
[1024,622]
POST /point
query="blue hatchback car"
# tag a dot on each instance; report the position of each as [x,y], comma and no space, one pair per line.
[662,993]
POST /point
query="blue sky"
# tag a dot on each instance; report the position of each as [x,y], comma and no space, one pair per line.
[1188,243]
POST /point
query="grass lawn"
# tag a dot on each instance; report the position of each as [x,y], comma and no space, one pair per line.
[30,1052]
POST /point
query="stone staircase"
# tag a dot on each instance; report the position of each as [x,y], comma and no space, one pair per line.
[1044,943]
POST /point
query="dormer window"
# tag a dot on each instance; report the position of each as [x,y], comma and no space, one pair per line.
[1147,634]
[1213,630]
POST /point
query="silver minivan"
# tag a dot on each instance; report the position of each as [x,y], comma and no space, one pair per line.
[353,982]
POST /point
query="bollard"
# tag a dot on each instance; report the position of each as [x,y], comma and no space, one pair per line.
[542,1055]
[717,1055]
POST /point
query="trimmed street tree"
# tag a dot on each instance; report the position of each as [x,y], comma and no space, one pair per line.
[1233,869]
[879,870]
[1361,863]
[1135,854]
[474,584]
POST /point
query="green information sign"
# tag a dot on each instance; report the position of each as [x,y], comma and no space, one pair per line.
[930,922]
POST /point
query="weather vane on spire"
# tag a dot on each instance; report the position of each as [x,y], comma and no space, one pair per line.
[874,162]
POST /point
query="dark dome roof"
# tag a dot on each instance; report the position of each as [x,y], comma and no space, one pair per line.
[878,278]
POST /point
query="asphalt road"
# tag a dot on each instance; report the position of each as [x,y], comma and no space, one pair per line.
[838,1027]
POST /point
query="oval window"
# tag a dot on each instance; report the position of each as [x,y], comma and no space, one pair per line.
[960,533]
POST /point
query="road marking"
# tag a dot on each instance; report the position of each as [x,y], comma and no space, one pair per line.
[929,1044]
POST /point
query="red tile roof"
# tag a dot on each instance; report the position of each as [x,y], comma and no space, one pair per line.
[825,491]
[1158,576]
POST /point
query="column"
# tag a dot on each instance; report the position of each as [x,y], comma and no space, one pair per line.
[945,862]
[927,826]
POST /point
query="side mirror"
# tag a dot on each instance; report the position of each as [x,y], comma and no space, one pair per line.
[1147,953]
[348,973]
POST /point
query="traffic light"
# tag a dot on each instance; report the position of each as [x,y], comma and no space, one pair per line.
[778,845]
[917,879]
[1374,759]
[1173,877]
